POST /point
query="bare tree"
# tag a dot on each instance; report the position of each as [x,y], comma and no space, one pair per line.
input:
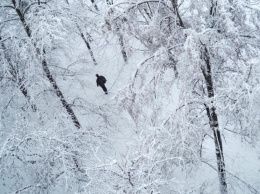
[17,78]
[45,67]
[87,44]
[117,23]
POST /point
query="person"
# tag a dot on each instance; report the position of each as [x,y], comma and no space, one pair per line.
[101,80]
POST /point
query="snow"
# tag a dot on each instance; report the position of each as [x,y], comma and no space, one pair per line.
[151,133]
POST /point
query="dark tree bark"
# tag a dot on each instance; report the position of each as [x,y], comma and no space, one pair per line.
[109,2]
[120,36]
[173,64]
[175,7]
[211,110]
[85,39]
[88,45]
[121,42]
[93,2]
[21,17]
[59,94]
[213,12]
[213,8]
[47,71]
[213,121]
[16,78]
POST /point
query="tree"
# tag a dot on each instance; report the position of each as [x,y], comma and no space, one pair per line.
[116,24]
[80,20]
[199,77]
[46,149]
[195,47]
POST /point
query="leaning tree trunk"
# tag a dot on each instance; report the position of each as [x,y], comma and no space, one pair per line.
[211,110]
[95,5]
[175,7]
[47,71]
[17,79]
[122,45]
[119,34]
[59,94]
[213,121]
[87,44]
[85,39]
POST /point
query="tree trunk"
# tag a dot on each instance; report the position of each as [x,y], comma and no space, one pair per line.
[175,7]
[121,41]
[120,36]
[93,2]
[59,94]
[88,45]
[211,110]
[48,73]
[173,64]
[21,17]
[213,121]
[16,78]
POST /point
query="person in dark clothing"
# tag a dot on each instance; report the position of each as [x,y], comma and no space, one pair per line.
[101,80]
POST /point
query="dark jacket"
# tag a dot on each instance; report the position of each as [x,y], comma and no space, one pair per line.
[101,80]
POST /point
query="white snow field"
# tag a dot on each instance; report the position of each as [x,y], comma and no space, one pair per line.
[192,69]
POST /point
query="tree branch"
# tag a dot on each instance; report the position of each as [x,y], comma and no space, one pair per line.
[7,6]
[28,7]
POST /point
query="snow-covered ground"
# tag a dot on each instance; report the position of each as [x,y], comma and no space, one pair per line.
[75,73]
[242,160]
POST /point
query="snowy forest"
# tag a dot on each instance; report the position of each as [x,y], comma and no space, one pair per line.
[182,113]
